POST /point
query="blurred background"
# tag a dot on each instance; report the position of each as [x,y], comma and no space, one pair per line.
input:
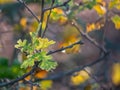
[16,22]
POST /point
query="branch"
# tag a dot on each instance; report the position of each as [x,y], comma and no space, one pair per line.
[88,37]
[22,77]
[41,19]
[64,48]
[42,13]
[2,32]
[53,77]
[33,14]
[36,65]
[67,73]
[63,4]
[48,19]
[44,10]
[93,77]
[31,83]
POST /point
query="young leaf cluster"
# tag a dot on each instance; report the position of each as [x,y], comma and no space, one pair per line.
[36,51]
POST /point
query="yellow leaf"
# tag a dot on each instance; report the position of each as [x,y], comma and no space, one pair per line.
[101,2]
[98,25]
[46,84]
[45,19]
[70,36]
[116,73]
[63,20]
[118,6]
[33,26]
[116,21]
[43,25]
[23,22]
[74,49]
[58,11]
[28,88]
[44,43]
[90,27]
[28,78]
[114,4]
[56,15]
[111,5]
[80,78]
[95,26]
[69,41]
[101,10]
[41,74]
[6,1]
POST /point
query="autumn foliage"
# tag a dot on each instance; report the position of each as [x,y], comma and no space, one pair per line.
[60,45]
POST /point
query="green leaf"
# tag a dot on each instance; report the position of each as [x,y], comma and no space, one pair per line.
[20,43]
[3,61]
[44,43]
[43,56]
[116,21]
[114,4]
[48,65]
[27,63]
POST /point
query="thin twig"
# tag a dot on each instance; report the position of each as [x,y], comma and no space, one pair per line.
[42,18]
[2,32]
[64,48]
[33,14]
[31,83]
[36,65]
[88,37]
[48,19]
[67,73]
[106,25]
[63,4]
[44,10]
[20,78]
[93,77]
